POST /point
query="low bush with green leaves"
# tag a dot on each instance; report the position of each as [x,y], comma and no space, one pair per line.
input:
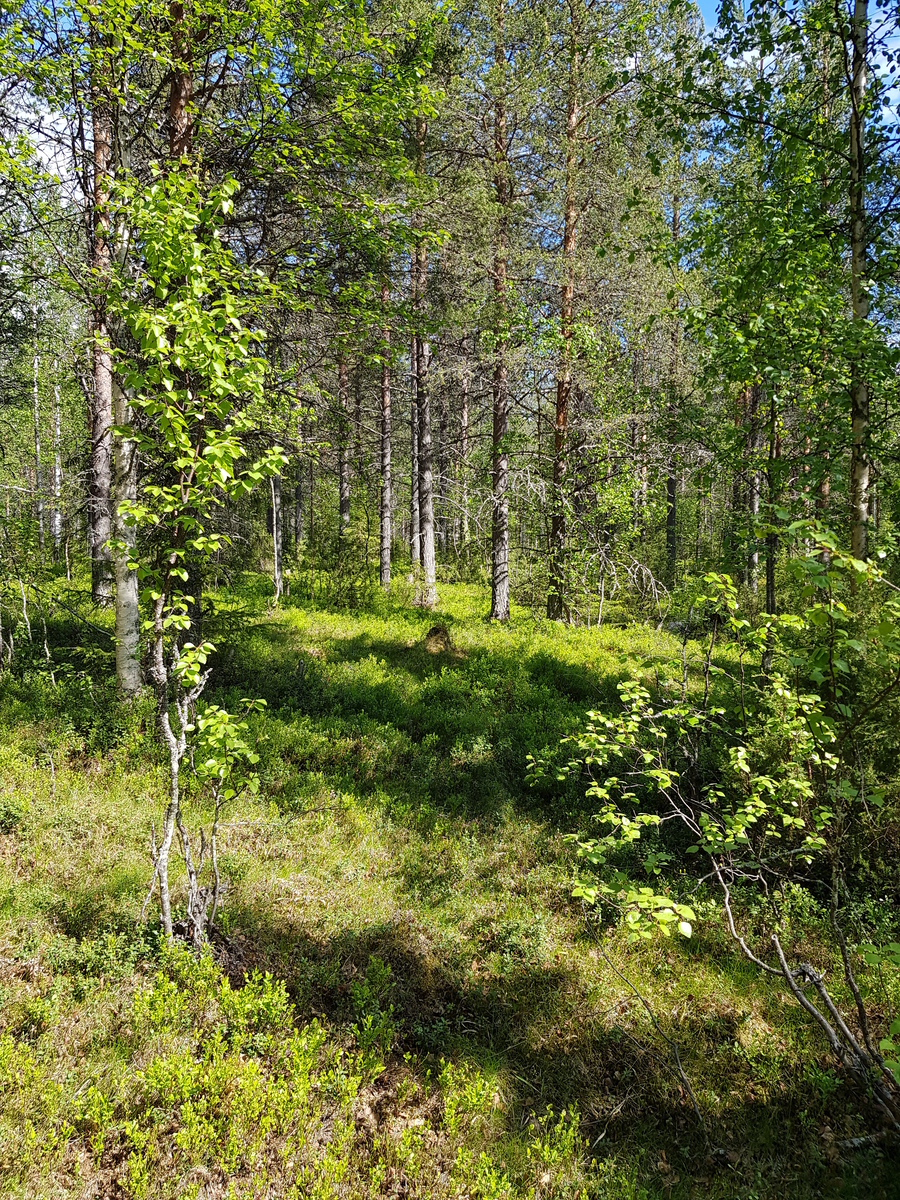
[761,776]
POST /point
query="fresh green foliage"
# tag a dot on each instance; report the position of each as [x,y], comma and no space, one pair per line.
[398,880]
[765,777]
[763,769]
[195,380]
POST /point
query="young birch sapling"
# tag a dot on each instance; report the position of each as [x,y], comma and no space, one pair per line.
[194,380]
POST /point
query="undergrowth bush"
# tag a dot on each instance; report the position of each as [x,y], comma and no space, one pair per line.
[765,777]
[232,1086]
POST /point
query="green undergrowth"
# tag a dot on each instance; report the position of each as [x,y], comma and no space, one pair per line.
[404,999]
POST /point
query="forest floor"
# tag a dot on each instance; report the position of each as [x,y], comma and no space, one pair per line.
[429,1013]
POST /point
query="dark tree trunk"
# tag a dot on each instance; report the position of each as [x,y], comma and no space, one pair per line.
[277,537]
[415,548]
[860,467]
[181,86]
[754,445]
[556,600]
[441,518]
[357,424]
[298,513]
[772,488]
[500,429]
[386,497]
[343,443]
[464,450]
[672,519]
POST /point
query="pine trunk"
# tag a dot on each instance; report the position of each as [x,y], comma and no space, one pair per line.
[415,548]
[38,472]
[100,506]
[277,537]
[556,601]
[386,496]
[464,452]
[860,469]
[343,443]
[754,445]
[56,520]
[128,613]
[500,429]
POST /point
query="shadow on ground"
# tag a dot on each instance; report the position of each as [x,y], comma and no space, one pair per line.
[612,1065]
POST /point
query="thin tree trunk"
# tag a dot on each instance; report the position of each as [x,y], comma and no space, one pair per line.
[357,424]
[754,444]
[180,130]
[556,602]
[672,519]
[127,613]
[860,468]
[672,476]
[277,536]
[426,479]
[415,548]
[56,521]
[441,519]
[428,598]
[386,496]
[823,494]
[175,745]
[464,451]
[500,452]
[100,506]
[343,442]
[298,512]
[645,482]
[422,353]
[771,536]
[736,550]
[38,474]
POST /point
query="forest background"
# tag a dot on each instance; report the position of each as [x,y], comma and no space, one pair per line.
[449,645]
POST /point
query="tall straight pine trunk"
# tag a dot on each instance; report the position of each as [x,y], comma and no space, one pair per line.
[38,469]
[556,602]
[113,460]
[415,545]
[277,536]
[386,496]
[672,470]
[754,446]
[100,501]
[56,520]
[343,442]
[500,428]
[440,522]
[860,466]
[464,446]
[127,612]
[428,597]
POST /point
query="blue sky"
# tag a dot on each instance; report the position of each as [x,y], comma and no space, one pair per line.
[709,9]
